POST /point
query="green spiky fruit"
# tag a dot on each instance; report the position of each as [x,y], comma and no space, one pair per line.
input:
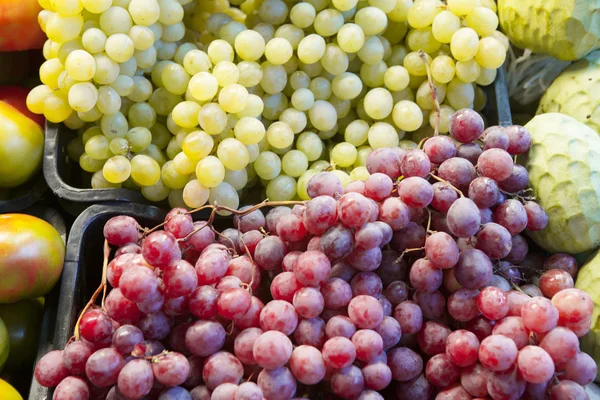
[565,29]
[576,92]
[564,172]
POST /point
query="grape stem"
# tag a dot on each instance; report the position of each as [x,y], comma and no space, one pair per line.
[437,178]
[406,251]
[436,103]
[101,289]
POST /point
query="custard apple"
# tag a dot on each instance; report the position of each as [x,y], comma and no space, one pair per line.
[564,172]
[565,29]
[576,92]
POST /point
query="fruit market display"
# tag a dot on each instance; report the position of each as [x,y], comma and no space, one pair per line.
[205,101]
[416,283]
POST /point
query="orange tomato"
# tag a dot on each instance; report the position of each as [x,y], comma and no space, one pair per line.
[19,29]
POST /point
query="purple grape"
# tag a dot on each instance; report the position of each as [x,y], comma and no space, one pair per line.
[484,192]
[470,152]
[459,172]
[466,125]
[463,218]
[473,269]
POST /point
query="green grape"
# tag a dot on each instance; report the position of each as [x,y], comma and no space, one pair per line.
[359,174]
[382,134]
[157,192]
[224,195]
[238,179]
[394,33]
[464,44]
[294,163]
[408,145]
[468,71]
[461,7]
[119,146]
[163,101]
[486,77]
[185,114]
[323,115]
[343,154]
[267,165]
[378,103]
[254,107]
[194,194]
[253,152]
[342,107]
[443,69]
[97,147]
[142,115]
[351,38]
[160,135]
[396,78]
[116,169]
[280,135]
[174,78]
[422,39]
[226,73]
[346,86]
[295,119]
[274,106]
[249,130]
[415,65]
[176,199]
[99,182]
[320,165]
[89,164]
[373,75]
[356,132]
[139,138]
[82,96]
[56,107]
[156,153]
[303,15]
[460,94]
[249,45]
[303,99]
[491,53]
[483,20]
[311,48]
[61,29]
[109,100]
[210,171]
[250,73]
[274,78]
[173,148]
[310,144]
[291,33]
[212,118]
[145,171]
[183,165]
[233,97]
[196,61]
[142,89]
[321,88]
[88,133]
[445,24]
[171,178]
[278,51]
[233,154]
[407,116]
[282,188]
[372,20]
[203,86]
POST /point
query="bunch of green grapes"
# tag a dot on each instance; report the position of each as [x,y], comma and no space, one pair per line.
[260,95]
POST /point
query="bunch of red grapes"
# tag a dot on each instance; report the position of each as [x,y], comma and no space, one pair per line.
[410,285]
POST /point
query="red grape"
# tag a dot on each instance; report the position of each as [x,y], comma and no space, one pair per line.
[512,215]
[320,214]
[253,220]
[561,261]
[506,385]
[377,377]
[378,186]
[497,353]
[493,303]
[441,250]
[555,280]
[279,315]
[307,365]
[484,192]
[466,125]
[535,364]
[312,268]
[574,305]
[269,253]
[469,151]
[365,312]
[384,160]
[568,390]
[513,328]
[519,139]
[121,230]
[415,192]
[415,163]
[368,236]
[291,228]
[537,218]
[338,352]
[277,384]
[308,302]
[561,344]
[443,196]
[72,388]
[494,137]
[204,338]
[222,367]
[416,388]
[439,149]
[463,218]
[581,368]
[337,242]
[539,315]
[462,348]
[103,367]
[404,363]
[462,304]
[311,332]
[125,338]
[440,371]
[348,382]
[473,269]
[474,379]
[252,316]
[459,172]
[50,370]
[324,184]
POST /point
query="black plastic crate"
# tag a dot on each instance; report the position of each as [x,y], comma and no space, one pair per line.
[25,195]
[64,176]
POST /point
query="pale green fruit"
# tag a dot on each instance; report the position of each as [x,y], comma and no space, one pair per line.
[565,29]
[576,92]
[564,172]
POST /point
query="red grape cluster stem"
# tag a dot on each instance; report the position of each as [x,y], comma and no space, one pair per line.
[100,289]
[437,178]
